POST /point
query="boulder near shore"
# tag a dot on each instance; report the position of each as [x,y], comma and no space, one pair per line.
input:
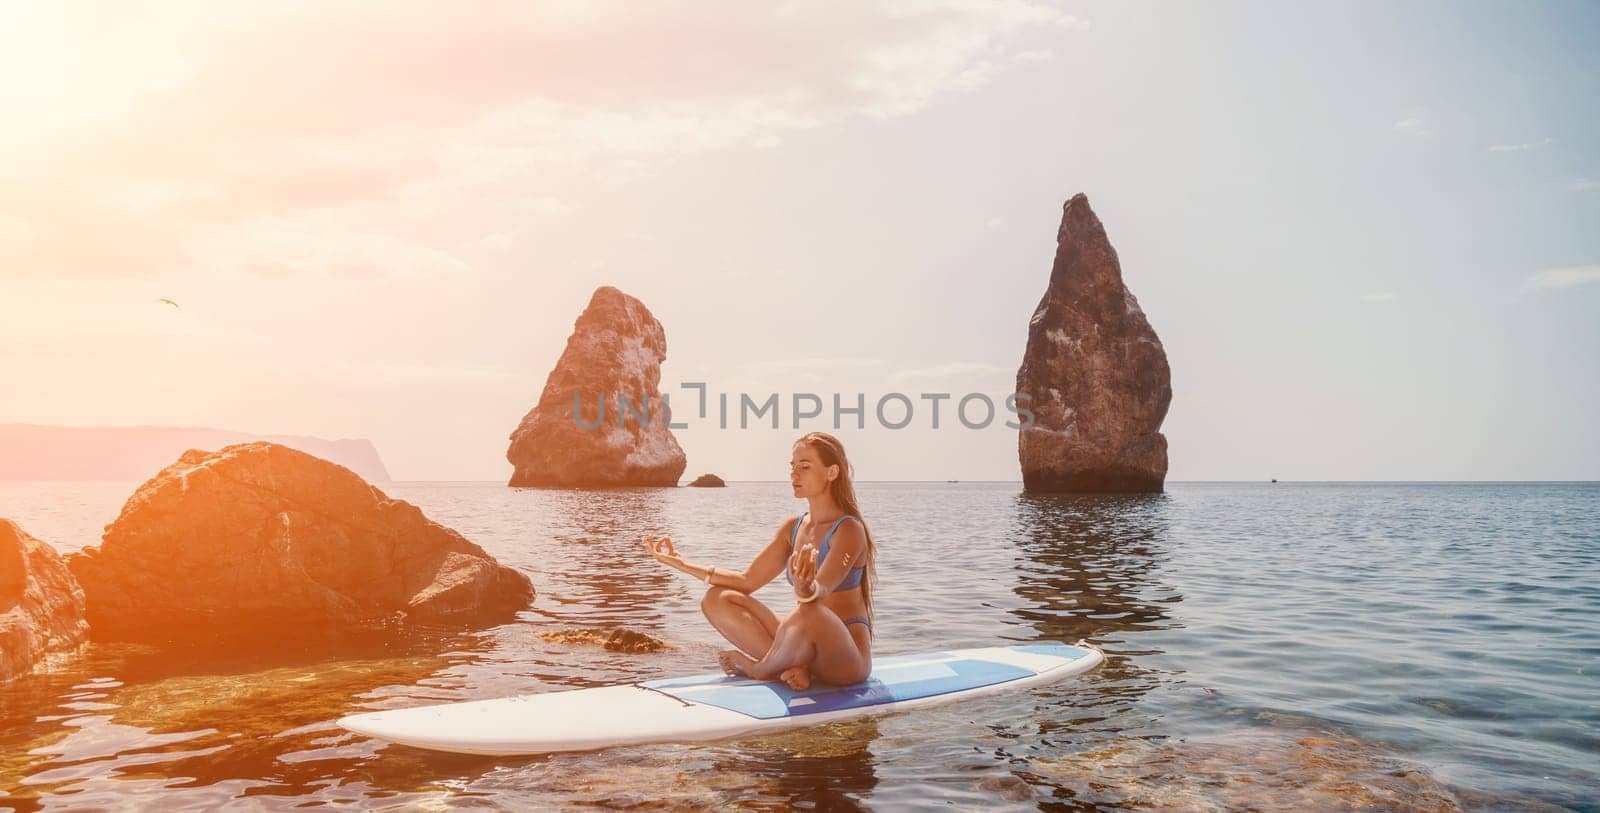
[708,481]
[615,350]
[41,604]
[259,535]
[1096,373]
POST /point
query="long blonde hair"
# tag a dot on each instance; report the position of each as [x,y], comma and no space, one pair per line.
[844,493]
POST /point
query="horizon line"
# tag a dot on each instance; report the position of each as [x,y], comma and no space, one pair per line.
[944,481]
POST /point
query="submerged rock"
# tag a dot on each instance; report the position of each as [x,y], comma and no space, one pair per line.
[1267,772]
[1096,373]
[258,535]
[615,352]
[41,604]
[615,640]
[708,481]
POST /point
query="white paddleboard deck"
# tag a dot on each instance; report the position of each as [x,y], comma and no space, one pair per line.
[713,705]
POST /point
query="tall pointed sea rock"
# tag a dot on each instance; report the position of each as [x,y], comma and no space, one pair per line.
[1096,372]
[616,349]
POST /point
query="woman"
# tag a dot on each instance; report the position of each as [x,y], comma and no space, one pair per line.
[827,554]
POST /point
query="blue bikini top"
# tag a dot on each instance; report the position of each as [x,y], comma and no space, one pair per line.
[852,579]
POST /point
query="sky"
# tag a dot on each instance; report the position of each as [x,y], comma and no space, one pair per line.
[1366,233]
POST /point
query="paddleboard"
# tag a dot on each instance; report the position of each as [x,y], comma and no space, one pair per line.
[714,705]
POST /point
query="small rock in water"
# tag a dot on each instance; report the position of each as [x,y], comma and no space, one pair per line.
[614,640]
[1009,788]
[41,604]
[1269,772]
[708,481]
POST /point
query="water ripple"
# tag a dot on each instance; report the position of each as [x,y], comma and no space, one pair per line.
[1435,646]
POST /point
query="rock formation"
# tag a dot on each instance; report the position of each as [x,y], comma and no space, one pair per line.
[258,535]
[613,639]
[708,481]
[616,349]
[1096,372]
[41,604]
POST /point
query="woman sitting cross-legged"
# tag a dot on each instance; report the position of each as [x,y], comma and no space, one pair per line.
[827,554]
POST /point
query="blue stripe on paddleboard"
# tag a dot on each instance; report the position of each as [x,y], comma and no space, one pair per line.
[915,677]
[719,679]
[1071,653]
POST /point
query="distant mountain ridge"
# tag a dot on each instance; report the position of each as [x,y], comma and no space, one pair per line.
[36,452]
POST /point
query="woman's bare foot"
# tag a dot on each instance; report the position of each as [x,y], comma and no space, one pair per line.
[734,662]
[798,678]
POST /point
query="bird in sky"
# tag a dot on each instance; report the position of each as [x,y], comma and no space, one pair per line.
[170,302]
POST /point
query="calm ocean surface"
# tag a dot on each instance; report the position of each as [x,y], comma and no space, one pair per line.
[1272,646]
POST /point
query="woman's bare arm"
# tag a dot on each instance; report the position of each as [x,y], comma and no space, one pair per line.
[764,568]
[847,550]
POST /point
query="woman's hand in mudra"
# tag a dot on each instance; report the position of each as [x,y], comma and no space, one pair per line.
[802,570]
[662,551]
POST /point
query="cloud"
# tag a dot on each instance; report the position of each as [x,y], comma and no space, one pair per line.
[1414,123]
[967,374]
[391,373]
[59,315]
[1584,185]
[1567,277]
[962,376]
[281,248]
[496,241]
[1382,296]
[1520,147]
[790,374]
[147,125]
[546,204]
[814,364]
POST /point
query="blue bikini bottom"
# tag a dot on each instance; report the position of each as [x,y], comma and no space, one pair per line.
[860,619]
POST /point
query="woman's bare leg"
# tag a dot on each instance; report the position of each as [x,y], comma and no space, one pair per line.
[815,638]
[745,622]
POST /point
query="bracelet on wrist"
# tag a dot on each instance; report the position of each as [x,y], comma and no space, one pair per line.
[812,595]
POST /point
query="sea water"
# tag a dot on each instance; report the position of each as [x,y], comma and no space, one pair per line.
[1283,646]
